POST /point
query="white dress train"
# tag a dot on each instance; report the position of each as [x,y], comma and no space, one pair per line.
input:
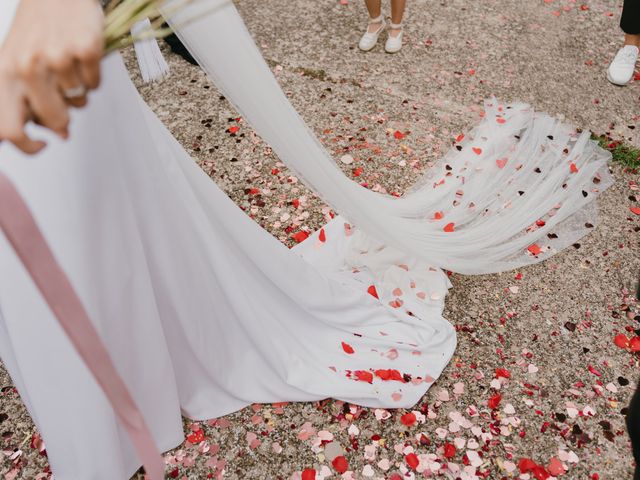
[202,311]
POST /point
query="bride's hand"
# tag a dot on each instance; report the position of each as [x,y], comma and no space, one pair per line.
[48,62]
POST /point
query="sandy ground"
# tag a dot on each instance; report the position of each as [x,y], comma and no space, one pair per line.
[549,328]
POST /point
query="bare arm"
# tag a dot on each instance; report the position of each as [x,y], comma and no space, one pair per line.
[49,61]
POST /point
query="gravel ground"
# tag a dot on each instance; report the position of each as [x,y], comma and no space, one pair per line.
[537,384]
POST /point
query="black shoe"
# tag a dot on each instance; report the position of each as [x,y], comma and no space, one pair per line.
[178,48]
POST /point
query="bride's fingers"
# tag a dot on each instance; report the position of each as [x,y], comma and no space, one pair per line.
[12,123]
[90,51]
[47,103]
[70,83]
[88,65]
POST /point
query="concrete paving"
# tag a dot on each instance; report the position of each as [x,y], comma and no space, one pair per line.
[550,327]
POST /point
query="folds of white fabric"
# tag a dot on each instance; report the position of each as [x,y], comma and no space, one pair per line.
[76,194]
[480,210]
[201,310]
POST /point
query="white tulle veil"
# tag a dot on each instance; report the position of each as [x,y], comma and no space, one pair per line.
[516,189]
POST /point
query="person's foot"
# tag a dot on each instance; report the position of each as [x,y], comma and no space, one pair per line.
[621,70]
[370,37]
[394,40]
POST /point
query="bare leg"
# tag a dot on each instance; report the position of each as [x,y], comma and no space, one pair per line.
[397,12]
[632,39]
[375,10]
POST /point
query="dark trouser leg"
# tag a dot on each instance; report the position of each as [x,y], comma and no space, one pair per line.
[633,415]
[633,426]
[630,21]
[177,47]
[633,418]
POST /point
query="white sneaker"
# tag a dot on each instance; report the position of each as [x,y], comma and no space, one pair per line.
[369,39]
[622,67]
[394,44]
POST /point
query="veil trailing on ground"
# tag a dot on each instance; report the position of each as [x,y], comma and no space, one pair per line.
[513,191]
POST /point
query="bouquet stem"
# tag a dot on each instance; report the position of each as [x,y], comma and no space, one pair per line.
[122,15]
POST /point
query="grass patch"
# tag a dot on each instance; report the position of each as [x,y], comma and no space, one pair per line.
[313,73]
[623,153]
[323,76]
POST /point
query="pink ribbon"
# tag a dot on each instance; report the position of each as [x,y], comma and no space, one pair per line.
[20,228]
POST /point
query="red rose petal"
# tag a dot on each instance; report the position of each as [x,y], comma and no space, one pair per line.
[389,375]
[539,473]
[347,348]
[635,210]
[449,227]
[449,450]
[438,216]
[477,151]
[364,376]
[408,419]
[301,236]
[621,340]
[340,464]
[399,135]
[534,249]
[593,370]
[494,401]
[397,303]
[309,474]
[634,344]
[372,291]
[323,236]
[526,465]
[555,467]
[196,437]
[573,168]
[412,460]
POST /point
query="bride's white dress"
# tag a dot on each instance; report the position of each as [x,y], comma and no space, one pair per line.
[203,312]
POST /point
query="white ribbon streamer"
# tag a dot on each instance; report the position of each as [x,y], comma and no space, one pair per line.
[152,64]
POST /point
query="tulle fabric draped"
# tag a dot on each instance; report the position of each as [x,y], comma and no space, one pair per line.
[515,190]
